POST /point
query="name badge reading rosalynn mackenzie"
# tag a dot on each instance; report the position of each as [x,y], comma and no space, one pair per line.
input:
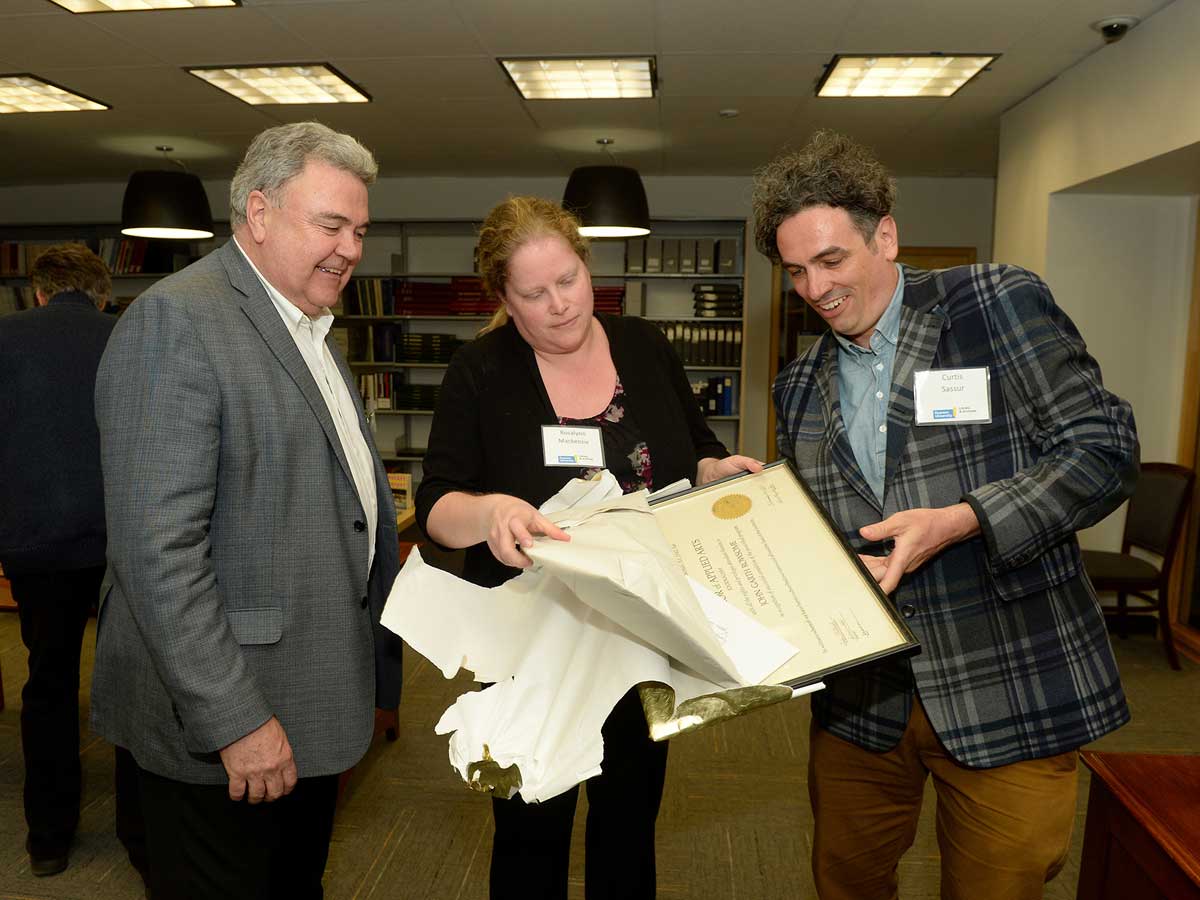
[952,396]
[572,445]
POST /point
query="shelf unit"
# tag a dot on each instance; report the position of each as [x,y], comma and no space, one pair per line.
[437,251]
[105,239]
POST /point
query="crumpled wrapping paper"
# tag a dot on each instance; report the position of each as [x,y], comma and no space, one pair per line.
[566,639]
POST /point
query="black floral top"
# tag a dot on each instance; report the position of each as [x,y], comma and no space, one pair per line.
[626,454]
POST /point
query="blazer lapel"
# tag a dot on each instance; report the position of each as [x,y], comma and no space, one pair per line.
[921,324]
[826,377]
[266,319]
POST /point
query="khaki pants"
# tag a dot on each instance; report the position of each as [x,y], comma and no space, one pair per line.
[1002,832]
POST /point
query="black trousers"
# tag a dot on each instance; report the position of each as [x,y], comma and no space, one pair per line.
[532,847]
[204,846]
[53,608]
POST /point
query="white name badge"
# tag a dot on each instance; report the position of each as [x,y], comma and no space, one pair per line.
[952,396]
[572,445]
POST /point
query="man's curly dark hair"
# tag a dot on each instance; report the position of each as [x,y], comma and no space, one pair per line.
[831,170]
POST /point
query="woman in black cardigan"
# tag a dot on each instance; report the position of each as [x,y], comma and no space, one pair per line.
[547,361]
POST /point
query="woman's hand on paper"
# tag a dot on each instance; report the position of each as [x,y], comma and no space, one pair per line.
[713,469]
[511,524]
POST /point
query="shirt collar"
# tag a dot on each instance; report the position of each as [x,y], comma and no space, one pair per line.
[292,315]
[888,326]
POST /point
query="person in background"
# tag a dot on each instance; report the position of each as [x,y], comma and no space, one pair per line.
[52,534]
[548,361]
[964,504]
[252,538]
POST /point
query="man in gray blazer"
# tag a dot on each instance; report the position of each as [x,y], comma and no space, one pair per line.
[252,536]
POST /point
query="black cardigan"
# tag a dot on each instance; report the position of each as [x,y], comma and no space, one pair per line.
[486,435]
[51,493]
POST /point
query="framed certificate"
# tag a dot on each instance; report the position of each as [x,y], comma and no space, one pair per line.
[763,541]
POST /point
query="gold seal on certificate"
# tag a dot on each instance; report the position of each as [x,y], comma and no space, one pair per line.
[761,541]
[731,506]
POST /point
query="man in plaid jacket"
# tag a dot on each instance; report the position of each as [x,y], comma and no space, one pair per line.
[965,510]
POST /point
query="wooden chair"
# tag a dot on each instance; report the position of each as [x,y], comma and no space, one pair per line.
[1154,523]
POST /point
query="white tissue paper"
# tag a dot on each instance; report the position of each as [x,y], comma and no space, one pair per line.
[566,639]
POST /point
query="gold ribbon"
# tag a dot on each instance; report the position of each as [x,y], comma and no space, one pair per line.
[666,720]
[487,777]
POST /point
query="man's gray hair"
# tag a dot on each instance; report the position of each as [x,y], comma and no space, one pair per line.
[278,154]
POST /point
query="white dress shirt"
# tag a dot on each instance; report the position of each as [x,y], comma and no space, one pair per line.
[309,335]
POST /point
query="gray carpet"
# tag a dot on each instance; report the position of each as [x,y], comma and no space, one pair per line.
[735,823]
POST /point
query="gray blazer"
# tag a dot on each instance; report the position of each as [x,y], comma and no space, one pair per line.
[237,585]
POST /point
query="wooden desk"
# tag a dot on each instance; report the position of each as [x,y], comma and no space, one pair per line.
[405,519]
[1142,836]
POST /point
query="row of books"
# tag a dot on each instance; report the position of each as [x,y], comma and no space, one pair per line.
[402,491]
[389,390]
[134,256]
[705,344]
[608,298]
[717,300]
[17,257]
[717,395]
[681,256]
[462,295]
[392,343]
[122,255]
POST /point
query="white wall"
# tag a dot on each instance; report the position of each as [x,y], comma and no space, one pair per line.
[931,212]
[1124,265]
[1121,266]
[1126,103]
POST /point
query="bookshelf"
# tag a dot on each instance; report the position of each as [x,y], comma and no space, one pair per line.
[135,263]
[415,298]
[426,269]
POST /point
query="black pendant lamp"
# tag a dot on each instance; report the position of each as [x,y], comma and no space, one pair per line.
[165,203]
[610,201]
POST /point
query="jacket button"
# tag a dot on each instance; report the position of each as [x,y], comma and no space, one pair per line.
[360,525]
[366,601]
[908,610]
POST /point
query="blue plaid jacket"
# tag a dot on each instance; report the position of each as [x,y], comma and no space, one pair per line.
[1015,661]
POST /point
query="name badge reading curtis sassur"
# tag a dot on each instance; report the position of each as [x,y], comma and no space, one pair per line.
[952,396]
[572,445]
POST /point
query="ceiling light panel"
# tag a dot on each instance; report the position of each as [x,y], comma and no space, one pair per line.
[582,79]
[287,84]
[101,6]
[899,76]
[26,93]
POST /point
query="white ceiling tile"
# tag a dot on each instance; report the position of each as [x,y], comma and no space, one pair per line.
[442,77]
[598,113]
[208,37]
[28,7]
[689,113]
[752,26]
[121,86]
[382,28]
[531,28]
[749,74]
[443,105]
[885,26]
[33,42]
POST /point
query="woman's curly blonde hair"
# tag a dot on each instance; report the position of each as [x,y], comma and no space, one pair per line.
[507,228]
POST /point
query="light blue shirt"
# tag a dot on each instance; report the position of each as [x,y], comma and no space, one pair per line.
[865,384]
